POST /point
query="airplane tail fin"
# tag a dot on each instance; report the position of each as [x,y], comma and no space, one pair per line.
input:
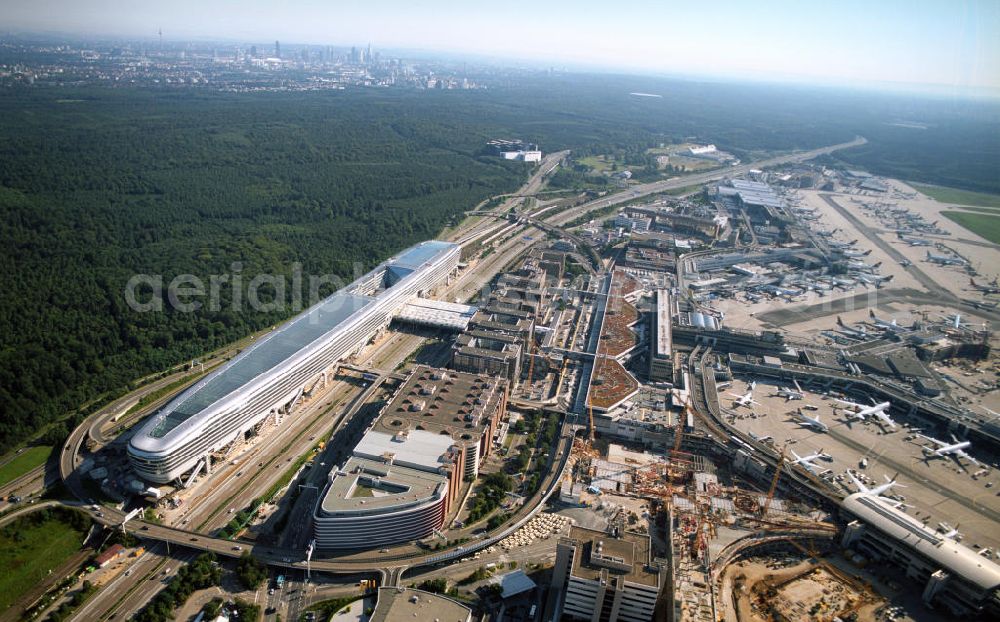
[871,314]
[867,252]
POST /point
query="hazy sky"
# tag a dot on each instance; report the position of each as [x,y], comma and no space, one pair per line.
[953,43]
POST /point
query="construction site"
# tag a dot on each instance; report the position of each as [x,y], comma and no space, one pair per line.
[707,519]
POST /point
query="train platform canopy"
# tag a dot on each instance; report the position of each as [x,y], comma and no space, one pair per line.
[267,353]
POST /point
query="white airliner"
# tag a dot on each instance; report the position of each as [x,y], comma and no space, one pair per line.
[791,394]
[943,449]
[875,490]
[807,461]
[955,320]
[811,422]
[888,325]
[950,532]
[747,398]
[946,260]
[862,412]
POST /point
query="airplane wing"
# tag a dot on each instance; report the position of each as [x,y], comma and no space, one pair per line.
[886,419]
[967,457]
[861,487]
[849,403]
[893,502]
[933,440]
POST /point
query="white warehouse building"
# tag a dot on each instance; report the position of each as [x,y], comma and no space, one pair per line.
[268,377]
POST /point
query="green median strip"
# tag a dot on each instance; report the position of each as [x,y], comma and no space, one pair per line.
[23,463]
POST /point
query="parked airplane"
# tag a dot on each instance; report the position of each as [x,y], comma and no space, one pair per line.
[993,288]
[842,245]
[747,398]
[856,254]
[791,394]
[946,260]
[950,532]
[761,439]
[943,449]
[807,461]
[874,279]
[860,265]
[811,422]
[955,320]
[912,241]
[859,333]
[862,412]
[875,491]
[891,326]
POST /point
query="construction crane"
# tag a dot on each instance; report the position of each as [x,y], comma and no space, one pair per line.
[774,481]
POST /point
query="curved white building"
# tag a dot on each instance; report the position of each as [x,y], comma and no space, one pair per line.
[370,504]
[270,375]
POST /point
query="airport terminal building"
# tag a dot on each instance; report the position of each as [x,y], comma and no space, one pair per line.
[268,377]
[951,575]
[408,469]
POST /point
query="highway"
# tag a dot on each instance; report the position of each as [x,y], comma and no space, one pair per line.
[674,183]
[485,226]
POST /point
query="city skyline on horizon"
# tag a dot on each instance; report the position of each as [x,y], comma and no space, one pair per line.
[932,47]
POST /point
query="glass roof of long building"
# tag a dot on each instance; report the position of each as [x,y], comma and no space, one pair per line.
[264,355]
[284,343]
[416,256]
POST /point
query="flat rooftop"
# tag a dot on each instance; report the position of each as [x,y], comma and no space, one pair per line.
[418,449]
[366,486]
[437,313]
[410,605]
[454,406]
[599,551]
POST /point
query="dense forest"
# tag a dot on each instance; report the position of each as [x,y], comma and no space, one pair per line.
[97,185]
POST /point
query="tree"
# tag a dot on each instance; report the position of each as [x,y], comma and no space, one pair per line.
[251,572]
[437,586]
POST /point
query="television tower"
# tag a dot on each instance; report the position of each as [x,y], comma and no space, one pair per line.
[161,38]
